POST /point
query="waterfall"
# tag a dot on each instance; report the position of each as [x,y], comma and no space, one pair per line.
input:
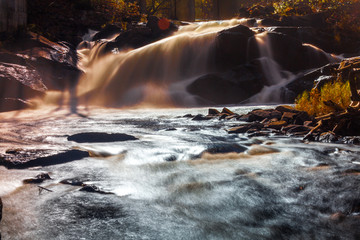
[161,69]
[159,74]
[269,66]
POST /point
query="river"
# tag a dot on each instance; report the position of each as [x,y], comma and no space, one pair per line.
[182,179]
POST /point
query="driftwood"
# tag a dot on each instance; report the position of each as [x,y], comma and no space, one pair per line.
[42,188]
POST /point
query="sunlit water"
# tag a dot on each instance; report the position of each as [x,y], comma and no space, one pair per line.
[242,188]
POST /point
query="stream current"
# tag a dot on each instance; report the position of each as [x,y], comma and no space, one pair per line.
[182,179]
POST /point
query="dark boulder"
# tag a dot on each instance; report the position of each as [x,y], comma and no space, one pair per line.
[1,207]
[232,86]
[201,117]
[246,127]
[73,182]
[328,137]
[22,159]
[31,65]
[37,179]
[225,148]
[107,32]
[316,20]
[139,35]
[231,46]
[91,137]
[290,52]
[261,114]
[93,189]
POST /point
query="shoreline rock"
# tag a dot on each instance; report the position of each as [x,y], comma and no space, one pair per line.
[287,121]
[21,159]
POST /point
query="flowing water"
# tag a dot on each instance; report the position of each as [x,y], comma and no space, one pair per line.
[182,179]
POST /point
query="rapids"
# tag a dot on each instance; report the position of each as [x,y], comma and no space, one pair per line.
[182,179]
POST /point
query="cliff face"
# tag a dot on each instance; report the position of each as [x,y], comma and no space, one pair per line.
[12,14]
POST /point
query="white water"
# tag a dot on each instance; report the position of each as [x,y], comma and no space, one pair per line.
[249,188]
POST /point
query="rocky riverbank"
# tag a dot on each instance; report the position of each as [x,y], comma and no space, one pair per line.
[285,120]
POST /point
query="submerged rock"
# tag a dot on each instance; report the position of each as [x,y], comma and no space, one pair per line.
[37,179]
[72,182]
[20,159]
[91,137]
[93,189]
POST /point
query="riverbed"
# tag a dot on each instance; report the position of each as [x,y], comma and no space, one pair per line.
[182,179]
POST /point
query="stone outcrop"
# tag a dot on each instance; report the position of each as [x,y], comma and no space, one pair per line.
[140,35]
[30,65]
[21,159]
[286,120]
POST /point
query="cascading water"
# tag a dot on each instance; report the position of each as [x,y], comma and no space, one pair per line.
[159,74]
[167,65]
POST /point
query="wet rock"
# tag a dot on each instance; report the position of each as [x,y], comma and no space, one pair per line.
[234,116]
[277,125]
[171,158]
[18,84]
[286,108]
[72,182]
[244,128]
[227,111]
[28,159]
[231,46]
[229,87]
[139,35]
[352,171]
[352,140]
[38,179]
[247,117]
[328,137]
[201,117]
[188,116]
[304,57]
[225,148]
[296,129]
[213,111]
[223,116]
[262,114]
[288,117]
[93,189]
[107,32]
[92,137]
[303,117]
[260,150]
[13,104]
[32,64]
